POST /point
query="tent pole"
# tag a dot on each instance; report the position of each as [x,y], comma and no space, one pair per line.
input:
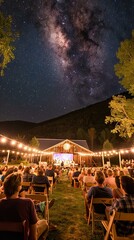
[8,153]
[102,159]
[120,159]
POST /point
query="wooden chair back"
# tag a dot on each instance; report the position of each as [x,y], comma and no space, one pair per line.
[39,188]
[41,198]
[26,184]
[88,185]
[93,215]
[111,227]
[17,230]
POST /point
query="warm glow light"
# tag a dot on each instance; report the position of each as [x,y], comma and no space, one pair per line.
[66,146]
[20,145]
[13,142]
[3,139]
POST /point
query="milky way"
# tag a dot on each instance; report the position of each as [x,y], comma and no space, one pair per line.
[65,55]
[80,35]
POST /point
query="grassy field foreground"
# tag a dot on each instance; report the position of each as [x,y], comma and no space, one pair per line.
[68,214]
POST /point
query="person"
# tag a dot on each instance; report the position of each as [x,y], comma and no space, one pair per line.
[50,173]
[16,209]
[81,177]
[26,177]
[98,191]
[40,178]
[88,180]
[75,176]
[124,204]
[117,192]
[110,180]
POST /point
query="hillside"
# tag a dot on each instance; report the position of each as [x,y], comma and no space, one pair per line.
[73,125]
[67,126]
[12,129]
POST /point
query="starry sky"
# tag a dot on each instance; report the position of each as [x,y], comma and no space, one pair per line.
[64,57]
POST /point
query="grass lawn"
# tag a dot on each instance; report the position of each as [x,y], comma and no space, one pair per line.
[68,214]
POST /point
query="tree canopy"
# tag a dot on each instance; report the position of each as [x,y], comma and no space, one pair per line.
[34,142]
[7,37]
[122,108]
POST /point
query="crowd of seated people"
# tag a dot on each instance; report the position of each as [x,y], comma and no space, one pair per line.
[14,208]
[105,182]
[113,183]
[32,174]
[124,203]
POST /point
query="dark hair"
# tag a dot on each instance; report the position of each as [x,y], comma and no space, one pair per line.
[40,172]
[11,184]
[99,177]
[89,171]
[127,184]
[27,170]
[117,181]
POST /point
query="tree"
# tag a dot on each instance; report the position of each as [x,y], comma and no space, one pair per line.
[7,37]
[34,142]
[106,134]
[92,136]
[122,108]
[81,134]
[124,70]
[107,145]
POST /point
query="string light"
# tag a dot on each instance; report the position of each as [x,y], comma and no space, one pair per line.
[20,145]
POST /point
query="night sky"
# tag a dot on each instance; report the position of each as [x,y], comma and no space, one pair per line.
[64,57]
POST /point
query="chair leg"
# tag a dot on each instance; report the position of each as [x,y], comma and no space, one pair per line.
[93,224]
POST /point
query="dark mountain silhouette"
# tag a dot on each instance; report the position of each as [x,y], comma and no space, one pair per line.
[65,126]
[73,125]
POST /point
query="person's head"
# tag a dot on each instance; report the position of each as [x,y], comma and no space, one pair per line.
[121,173]
[117,181]
[40,172]
[89,171]
[127,184]
[12,184]
[99,177]
[50,166]
[109,172]
[27,170]
[115,172]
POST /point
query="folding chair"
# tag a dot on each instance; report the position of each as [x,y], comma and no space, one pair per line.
[76,182]
[51,183]
[39,188]
[13,230]
[110,226]
[95,216]
[26,186]
[42,198]
[88,185]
